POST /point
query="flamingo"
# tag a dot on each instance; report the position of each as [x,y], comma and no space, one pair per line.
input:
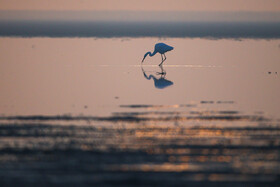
[161,48]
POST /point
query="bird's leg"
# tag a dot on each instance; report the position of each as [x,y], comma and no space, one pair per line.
[161,60]
[162,71]
[164,56]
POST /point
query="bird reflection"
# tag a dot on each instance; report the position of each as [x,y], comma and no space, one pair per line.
[159,79]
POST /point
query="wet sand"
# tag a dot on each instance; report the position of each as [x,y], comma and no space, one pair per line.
[83,111]
[206,149]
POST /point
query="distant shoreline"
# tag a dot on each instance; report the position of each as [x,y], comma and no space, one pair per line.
[266,30]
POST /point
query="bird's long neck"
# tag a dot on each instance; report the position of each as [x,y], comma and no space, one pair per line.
[152,54]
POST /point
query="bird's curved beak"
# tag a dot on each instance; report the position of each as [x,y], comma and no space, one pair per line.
[143,60]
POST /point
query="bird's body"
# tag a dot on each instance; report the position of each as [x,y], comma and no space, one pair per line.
[161,48]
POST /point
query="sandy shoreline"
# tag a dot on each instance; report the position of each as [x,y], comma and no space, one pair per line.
[140,153]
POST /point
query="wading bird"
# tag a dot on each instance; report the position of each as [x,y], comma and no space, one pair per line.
[159,48]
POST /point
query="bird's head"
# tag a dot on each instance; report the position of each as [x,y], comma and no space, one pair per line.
[145,56]
[143,59]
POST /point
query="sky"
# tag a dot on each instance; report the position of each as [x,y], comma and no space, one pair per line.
[127,10]
[143,5]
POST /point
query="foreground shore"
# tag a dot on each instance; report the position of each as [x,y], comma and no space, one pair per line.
[225,149]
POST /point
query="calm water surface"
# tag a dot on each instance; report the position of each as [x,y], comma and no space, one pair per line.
[85,111]
[44,76]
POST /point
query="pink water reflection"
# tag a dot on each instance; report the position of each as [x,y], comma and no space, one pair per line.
[95,76]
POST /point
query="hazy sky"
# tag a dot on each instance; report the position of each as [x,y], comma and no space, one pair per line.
[158,5]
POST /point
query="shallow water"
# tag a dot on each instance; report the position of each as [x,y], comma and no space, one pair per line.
[85,111]
[95,76]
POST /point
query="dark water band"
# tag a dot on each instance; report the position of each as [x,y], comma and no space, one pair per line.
[216,30]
